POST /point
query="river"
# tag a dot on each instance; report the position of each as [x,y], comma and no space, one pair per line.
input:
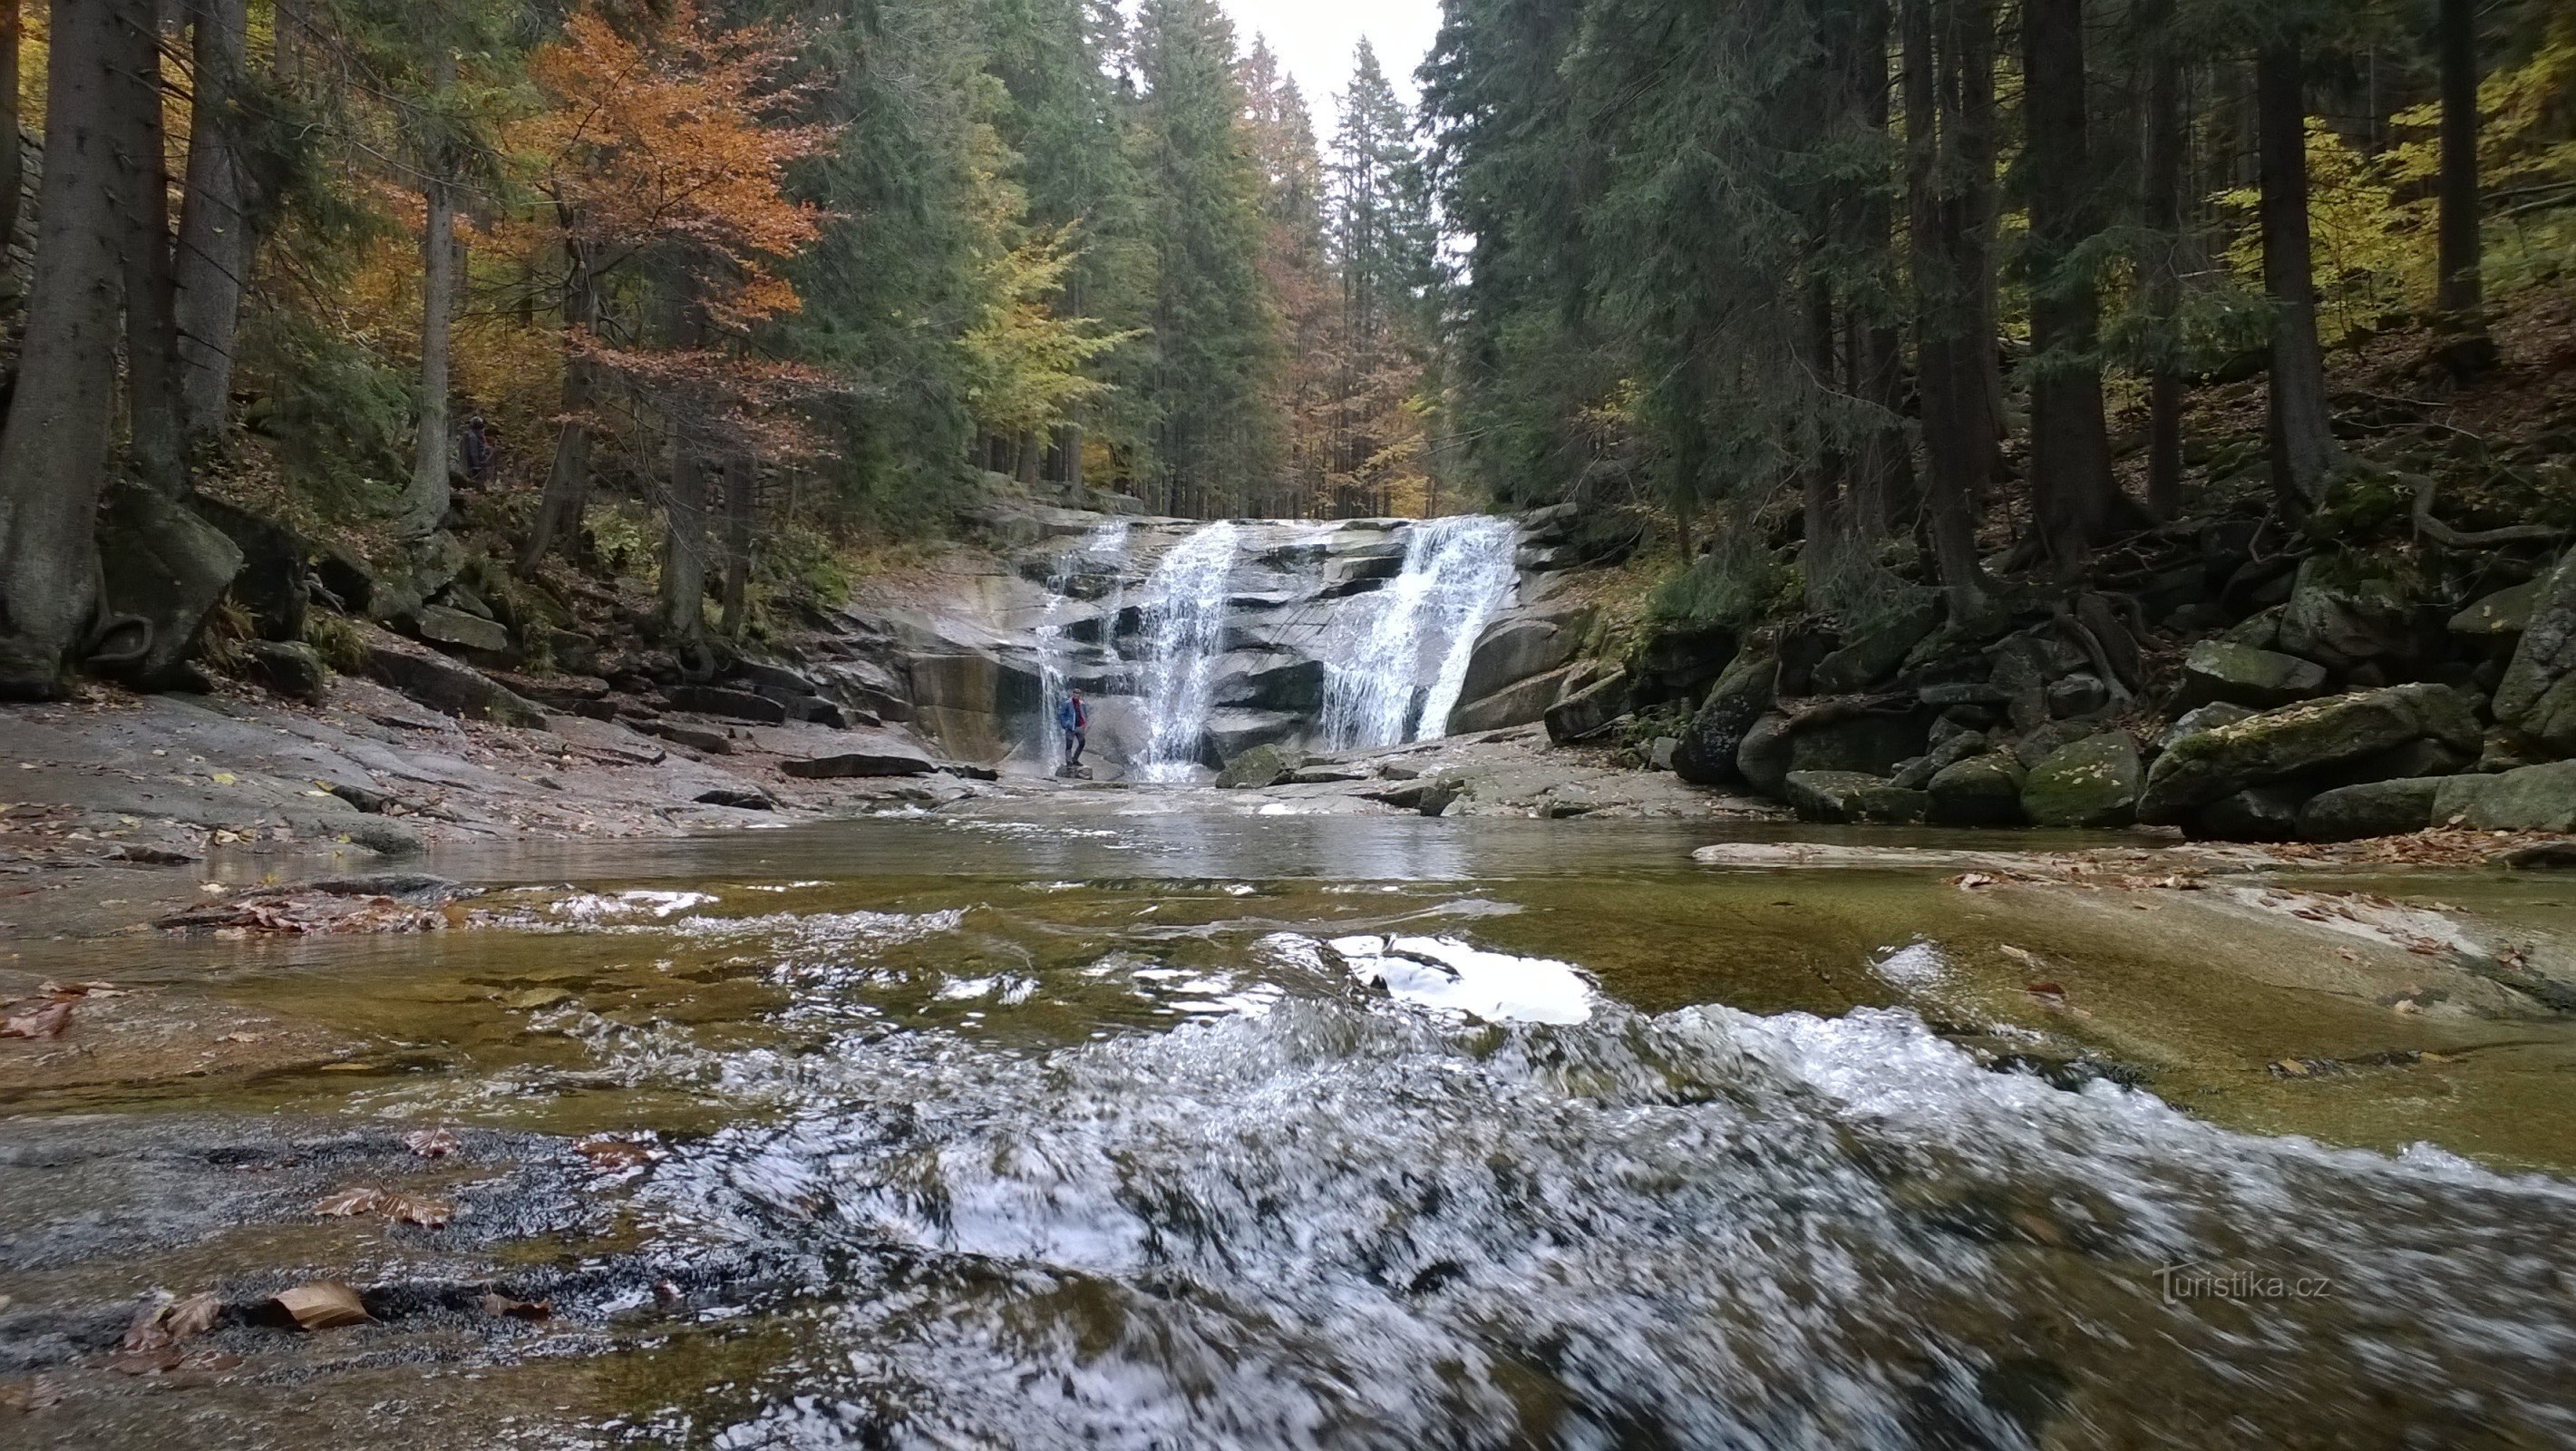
[1137,1121]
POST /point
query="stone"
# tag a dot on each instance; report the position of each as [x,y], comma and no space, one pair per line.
[1743,695]
[2092,784]
[162,572]
[1660,752]
[2506,612]
[2545,657]
[2259,631]
[2374,808]
[1589,712]
[2424,756]
[2076,695]
[2306,739]
[738,799]
[1258,768]
[2534,798]
[1861,739]
[1850,796]
[1948,751]
[2048,740]
[440,625]
[344,575]
[1525,703]
[1271,681]
[2216,670]
[291,668]
[696,738]
[2340,622]
[1873,652]
[1232,732]
[1680,659]
[2259,813]
[887,758]
[271,584]
[729,704]
[2205,718]
[1762,758]
[446,685]
[1521,646]
[1980,791]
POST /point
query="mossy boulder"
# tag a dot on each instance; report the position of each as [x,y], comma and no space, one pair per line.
[2308,739]
[2093,783]
[1743,695]
[2535,798]
[1852,796]
[2534,696]
[1260,767]
[2217,670]
[2374,808]
[1981,791]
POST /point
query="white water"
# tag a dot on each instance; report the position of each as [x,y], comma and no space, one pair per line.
[1184,632]
[1402,653]
[1107,543]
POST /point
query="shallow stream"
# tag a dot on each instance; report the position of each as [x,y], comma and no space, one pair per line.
[1159,1125]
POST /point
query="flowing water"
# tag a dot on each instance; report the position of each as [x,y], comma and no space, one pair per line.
[1104,550]
[1184,630]
[1402,652]
[1159,1126]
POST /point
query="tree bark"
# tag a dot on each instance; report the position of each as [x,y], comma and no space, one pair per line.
[1976,154]
[2161,209]
[54,446]
[2070,449]
[742,501]
[13,161]
[684,552]
[1946,373]
[2301,434]
[2461,295]
[567,491]
[1883,480]
[425,501]
[151,279]
[214,233]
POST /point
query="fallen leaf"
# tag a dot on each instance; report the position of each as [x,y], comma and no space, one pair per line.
[46,1021]
[2045,990]
[193,1316]
[498,1304]
[350,1202]
[614,1153]
[30,1396]
[425,1212]
[2290,1068]
[1970,881]
[151,1361]
[432,1143]
[212,1360]
[323,1305]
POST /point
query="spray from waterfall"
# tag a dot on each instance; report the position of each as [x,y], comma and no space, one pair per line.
[1401,655]
[1184,631]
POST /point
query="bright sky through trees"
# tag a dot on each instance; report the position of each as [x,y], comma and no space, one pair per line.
[1316,39]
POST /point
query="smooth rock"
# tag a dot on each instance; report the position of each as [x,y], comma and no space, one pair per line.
[1522,646]
[879,761]
[2534,798]
[2260,813]
[2545,657]
[1743,695]
[1763,757]
[1590,711]
[162,572]
[1980,791]
[446,685]
[1258,768]
[1525,703]
[2374,808]
[2506,612]
[1850,796]
[291,668]
[2313,737]
[729,704]
[2092,784]
[1872,653]
[2216,670]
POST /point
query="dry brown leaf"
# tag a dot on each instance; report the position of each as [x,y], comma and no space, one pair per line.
[349,1202]
[499,1304]
[432,1143]
[2046,990]
[193,1316]
[153,1360]
[30,1396]
[426,1212]
[323,1305]
[614,1153]
[146,1332]
[47,1020]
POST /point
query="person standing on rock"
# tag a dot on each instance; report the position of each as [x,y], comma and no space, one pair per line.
[1074,719]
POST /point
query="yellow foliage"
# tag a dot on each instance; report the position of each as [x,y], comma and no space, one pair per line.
[2373,256]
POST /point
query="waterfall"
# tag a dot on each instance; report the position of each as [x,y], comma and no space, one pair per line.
[1184,609]
[1106,544]
[1400,659]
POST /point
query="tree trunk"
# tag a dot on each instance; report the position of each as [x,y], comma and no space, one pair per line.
[1068,442]
[2161,209]
[151,282]
[13,162]
[425,501]
[214,234]
[2460,298]
[1976,152]
[54,446]
[742,501]
[2302,437]
[684,553]
[2070,449]
[1883,482]
[1945,310]
[567,491]
[1032,454]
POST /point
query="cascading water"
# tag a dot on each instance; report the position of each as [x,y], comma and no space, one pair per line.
[1106,547]
[1184,631]
[1402,654]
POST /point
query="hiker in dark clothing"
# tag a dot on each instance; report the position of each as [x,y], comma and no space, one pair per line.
[481,453]
[1074,719]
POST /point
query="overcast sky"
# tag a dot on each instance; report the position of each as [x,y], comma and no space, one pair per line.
[1318,37]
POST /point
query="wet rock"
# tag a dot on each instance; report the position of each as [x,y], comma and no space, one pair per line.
[1850,796]
[1232,732]
[2505,613]
[1521,646]
[2216,670]
[291,668]
[1872,653]
[729,704]
[2078,695]
[446,685]
[2535,798]
[2092,784]
[2374,808]
[162,572]
[1743,695]
[2299,740]
[1271,681]
[1258,768]
[739,799]
[1590,711]
[1981,791]
[441,625]
[2206,718]
[2259,813]
[2534,697]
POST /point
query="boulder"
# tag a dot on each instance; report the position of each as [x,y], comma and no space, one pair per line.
[1255,769]
[1873,652]
[446,685]
[271,585]
[1523,646]
[162,572]
[1743,695]
[2048,740]
[2300,740]
[2206,718]
[1270,681]
[1865,740]
[1525,703]
[2079,694]
[1233,731]
[729,704]
[2343,623]
[2528,698]
[1589,712]
[2375,808]
[882,757]
[696,738]
[2216,670]
[1763,758]
[1678,659]
[1850,796]
[291,668]
[2422,757]
[2534,798]
[2258,813]
[2505,613]
[1980,791]
[1948,751]
[2093,783]
[2258,631]
[453,628]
